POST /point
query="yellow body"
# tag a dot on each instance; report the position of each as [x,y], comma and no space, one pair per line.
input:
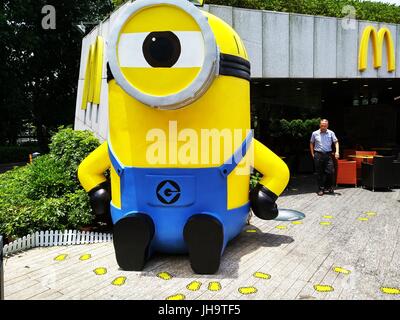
[224,106]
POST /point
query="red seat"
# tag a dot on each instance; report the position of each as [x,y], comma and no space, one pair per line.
[346,172]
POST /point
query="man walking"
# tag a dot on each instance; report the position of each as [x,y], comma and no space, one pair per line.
[321,150]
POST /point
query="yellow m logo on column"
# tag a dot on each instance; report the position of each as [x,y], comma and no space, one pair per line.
[93,74]
[384,34]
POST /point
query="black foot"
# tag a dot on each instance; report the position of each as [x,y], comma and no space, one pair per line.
[132,236]
[204,236]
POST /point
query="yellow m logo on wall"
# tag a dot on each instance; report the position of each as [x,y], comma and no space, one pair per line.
[377,38]
[93,74]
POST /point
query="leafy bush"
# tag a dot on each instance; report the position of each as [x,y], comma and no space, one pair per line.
[47,179]
[294,129]
[46,194]
[71,147]
[297,128]
[311,125]
[365,10]
[293,136]
[254,179]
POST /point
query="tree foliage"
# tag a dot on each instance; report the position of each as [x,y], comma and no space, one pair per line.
[39,67]
[294,135]
[365,10]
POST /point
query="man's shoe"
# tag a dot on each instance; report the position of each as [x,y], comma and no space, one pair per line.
[331,191]
[320,193]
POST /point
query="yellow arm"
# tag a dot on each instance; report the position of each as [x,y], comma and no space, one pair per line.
[91,170]
[274,170]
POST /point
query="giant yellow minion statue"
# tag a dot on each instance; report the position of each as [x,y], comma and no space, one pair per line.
[176,72]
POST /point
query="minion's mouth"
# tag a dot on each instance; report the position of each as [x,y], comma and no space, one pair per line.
[234,66]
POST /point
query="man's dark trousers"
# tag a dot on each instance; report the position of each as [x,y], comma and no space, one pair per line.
[324,168]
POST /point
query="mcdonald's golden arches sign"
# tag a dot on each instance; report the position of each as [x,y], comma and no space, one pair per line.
[377,38]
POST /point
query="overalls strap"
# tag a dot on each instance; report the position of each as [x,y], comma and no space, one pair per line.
[239,154]
[225,169]
[118,166]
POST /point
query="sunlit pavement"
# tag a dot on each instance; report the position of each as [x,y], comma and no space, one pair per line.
[346,248]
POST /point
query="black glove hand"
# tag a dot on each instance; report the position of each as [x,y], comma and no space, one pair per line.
[100,200]
[263,203]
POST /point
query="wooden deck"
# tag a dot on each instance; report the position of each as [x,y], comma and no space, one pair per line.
[348,247]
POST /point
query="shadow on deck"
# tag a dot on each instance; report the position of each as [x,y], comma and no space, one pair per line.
[244,244]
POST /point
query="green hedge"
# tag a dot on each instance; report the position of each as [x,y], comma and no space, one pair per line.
[294,129]
[71,147]
[365,10]
[46,194]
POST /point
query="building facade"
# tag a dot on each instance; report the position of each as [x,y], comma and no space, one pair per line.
[309,50]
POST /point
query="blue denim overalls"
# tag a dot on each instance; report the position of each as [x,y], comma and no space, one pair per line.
[170,196]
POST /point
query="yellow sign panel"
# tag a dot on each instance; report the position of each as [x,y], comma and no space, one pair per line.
[93,74]
[377,38]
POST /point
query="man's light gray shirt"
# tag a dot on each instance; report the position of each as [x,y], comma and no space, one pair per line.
[323,140]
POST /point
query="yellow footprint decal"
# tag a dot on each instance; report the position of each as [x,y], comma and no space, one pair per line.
[281,227]
[389,290]
[100,271]
[341,270]
[214,286]
[323,288]
[251,230]
[120,281]
[370,213]
[61,257]
[262,275]
[194,286]
[362,219]
[325,223]
[164,275]
[84,257]
[297,222]
[247,290]
[327,217]
[178,296]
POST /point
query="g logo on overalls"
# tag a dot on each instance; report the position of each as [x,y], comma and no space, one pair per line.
[168,192]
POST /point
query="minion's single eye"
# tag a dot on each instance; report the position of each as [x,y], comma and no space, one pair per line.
[161,49]
[163,53]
